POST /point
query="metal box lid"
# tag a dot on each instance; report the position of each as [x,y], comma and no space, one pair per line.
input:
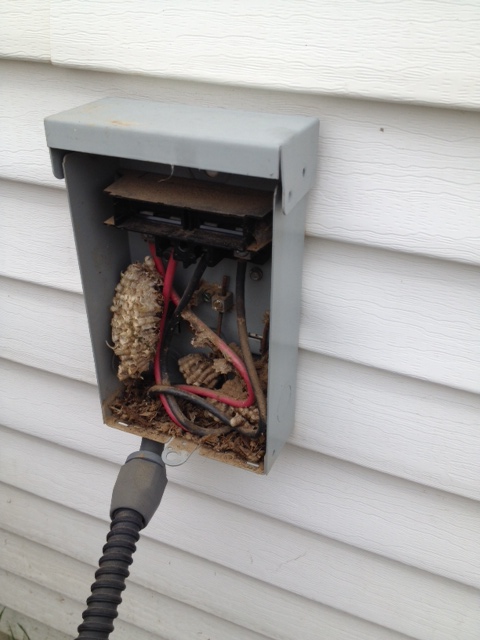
[263,145]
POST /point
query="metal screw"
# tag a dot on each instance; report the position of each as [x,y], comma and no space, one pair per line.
[256,274]
[206,296]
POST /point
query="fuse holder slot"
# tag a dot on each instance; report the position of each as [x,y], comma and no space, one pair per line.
[193,213]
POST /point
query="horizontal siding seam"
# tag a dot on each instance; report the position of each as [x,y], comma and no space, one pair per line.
[378,97]
[302,347]
[241,507]
[52,595]
[133,580]
[129,580]
[290,442]
[363,363]
[324,237]
[31,281]
[15,57]
[434,89]
[294,440]
[372,367]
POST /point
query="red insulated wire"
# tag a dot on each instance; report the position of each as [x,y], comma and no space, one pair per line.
[170,294]
[161,270]
[167,291]
[230,355]
[210,393]
[156,259]
[168,276]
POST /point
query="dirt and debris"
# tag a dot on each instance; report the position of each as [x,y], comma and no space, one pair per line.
[135,407]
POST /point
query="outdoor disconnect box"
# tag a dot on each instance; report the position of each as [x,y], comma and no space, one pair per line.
[189,226]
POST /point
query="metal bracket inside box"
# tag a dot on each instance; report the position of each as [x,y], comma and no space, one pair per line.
[233,181]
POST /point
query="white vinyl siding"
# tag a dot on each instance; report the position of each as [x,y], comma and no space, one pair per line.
[420,51]
[367,528]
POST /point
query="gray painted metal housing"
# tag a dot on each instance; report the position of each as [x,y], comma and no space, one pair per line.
[262,145]
[90,143]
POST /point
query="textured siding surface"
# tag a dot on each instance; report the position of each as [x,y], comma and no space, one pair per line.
[367,527]
[25,29]
[409,50]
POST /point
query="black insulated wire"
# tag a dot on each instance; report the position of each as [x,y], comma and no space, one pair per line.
[247,354]
[110,577]
[187,424]
[191,397]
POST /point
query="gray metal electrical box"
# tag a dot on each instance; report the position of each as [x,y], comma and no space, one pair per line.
[189,185]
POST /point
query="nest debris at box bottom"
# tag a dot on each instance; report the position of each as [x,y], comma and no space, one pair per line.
[137,309]
[134,406]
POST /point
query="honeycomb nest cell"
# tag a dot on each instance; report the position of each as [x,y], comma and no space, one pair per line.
[199,370]
[136,308]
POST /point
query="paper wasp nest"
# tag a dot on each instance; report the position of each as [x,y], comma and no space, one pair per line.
[137,307]
[199,369]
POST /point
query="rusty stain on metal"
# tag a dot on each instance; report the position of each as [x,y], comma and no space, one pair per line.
[122,123]
[266,333]
[222,309]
